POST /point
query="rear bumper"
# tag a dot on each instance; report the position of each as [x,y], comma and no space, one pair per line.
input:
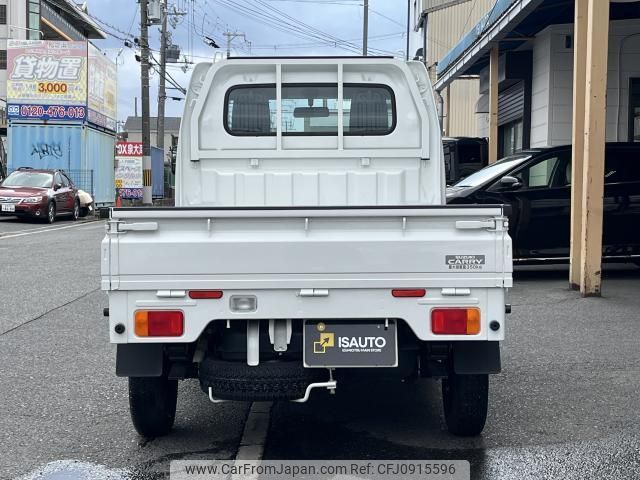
[464,358]
[352,304]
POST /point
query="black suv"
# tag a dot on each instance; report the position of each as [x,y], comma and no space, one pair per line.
[537,185]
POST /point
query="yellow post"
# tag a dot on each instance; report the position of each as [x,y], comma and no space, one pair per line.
[594,147]
[493,105]
[579,85]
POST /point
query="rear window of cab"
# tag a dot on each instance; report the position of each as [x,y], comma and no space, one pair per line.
[310,109]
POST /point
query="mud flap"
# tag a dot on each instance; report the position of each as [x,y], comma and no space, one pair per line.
[139,360]
[475,358]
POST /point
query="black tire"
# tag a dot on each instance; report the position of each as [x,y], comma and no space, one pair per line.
[50,215]
[152,402]
[466,400]
[76,210]
[267,381]
[84,211]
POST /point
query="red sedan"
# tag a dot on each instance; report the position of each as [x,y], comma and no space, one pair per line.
[40,194]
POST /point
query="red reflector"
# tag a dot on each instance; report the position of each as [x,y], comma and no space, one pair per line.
[199,294]
[165,323]
[455,321]
[417,293]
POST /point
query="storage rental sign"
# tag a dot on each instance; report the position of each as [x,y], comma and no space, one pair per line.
[129,178]
[51,80]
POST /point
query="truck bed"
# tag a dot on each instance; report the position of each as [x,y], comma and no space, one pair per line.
[290,245]
[152,256]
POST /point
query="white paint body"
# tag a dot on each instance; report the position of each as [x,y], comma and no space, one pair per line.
[278,217]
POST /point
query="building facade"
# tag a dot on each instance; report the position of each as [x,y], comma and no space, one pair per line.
[132,132]
[39,20]
[535,79]
[444,28]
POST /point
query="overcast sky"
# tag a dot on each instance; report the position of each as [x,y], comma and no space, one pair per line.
[326,21]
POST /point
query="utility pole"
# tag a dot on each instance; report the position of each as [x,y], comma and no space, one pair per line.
[365,30]
[232,36]
[162,92]
[408,28]
[146,130]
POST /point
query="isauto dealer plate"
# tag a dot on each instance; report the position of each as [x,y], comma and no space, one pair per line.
[350,343]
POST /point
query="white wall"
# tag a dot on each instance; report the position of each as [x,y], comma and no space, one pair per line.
[17,16]
[541,79]
[552,102]
[137,137]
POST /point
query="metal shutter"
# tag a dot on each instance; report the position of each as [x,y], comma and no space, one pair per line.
[511,104]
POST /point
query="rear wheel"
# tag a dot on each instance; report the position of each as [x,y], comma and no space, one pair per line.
[76,210]
[466,400]
[152,401]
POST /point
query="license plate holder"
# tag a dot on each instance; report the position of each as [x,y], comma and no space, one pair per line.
[8,207]
[350,343]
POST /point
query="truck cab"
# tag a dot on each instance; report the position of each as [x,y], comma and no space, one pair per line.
[310,239]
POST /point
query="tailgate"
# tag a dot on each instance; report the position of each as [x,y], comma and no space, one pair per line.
[233,244]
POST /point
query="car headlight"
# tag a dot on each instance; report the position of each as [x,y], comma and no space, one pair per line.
[32,200]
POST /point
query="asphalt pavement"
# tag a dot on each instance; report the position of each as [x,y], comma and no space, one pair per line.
[565,407]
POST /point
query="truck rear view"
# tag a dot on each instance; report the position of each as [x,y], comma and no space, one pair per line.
[310,239]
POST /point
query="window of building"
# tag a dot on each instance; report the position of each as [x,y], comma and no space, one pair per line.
[634,110]
[3,59]
[33,15]
[310,109]
[511,137]
[3,14]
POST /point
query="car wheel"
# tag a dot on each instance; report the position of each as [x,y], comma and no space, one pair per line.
[51,213]
[76,210]
[466,400]
[84,211]
[152,402]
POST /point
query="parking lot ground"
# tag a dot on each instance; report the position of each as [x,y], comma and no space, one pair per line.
[15,225]
[564,407]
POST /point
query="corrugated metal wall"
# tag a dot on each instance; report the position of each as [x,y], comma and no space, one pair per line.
[446,28]
[45,146]
[99,157]
[73,148]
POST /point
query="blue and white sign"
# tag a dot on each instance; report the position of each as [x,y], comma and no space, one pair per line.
[46,112]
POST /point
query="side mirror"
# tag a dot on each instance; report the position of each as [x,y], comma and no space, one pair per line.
[57,187]
[509,182]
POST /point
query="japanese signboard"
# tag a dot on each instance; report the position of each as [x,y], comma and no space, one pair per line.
[129,180]
[102,91]
[46,80]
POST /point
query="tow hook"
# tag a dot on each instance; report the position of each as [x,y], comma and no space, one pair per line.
[214,399]
[330,385]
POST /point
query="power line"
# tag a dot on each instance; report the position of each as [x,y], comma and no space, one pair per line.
[113,27]
[268,15]
[315,44]
[385,17]
[473,7]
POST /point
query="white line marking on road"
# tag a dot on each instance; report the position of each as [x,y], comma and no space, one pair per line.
[53,229]
[254,436]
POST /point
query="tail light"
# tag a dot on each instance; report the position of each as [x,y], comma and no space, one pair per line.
[159,323]
[405,293]
[201,294]
[455,321]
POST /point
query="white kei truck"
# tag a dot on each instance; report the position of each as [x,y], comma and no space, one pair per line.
[310,239]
